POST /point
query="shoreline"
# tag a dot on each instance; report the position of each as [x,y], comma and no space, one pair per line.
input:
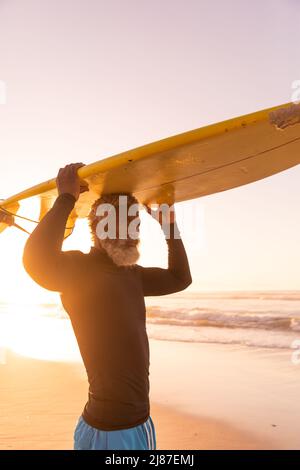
[41,401]
[177,430]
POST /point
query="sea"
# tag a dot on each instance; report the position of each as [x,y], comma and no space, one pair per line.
[260,319]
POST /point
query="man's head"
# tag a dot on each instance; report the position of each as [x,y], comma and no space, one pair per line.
[114,223]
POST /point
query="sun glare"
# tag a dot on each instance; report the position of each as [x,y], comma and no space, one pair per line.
[33,322]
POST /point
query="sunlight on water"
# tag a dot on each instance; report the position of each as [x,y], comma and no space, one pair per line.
[36,336]
[253,319]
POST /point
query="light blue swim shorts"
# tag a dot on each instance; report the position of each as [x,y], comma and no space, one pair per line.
[140,437]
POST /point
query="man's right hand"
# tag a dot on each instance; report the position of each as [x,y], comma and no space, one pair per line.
[68,181]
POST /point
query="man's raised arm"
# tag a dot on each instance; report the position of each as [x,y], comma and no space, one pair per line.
[43,257]
[159,281]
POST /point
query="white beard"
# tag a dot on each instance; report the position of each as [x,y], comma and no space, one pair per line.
[120,252]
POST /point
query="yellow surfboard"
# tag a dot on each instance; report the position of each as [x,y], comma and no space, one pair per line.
[197,163]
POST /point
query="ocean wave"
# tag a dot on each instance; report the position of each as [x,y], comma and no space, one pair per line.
[213,318]
[242,295]
[239,336]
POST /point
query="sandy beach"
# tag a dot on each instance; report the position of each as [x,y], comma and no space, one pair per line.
[203,396]
[174,126]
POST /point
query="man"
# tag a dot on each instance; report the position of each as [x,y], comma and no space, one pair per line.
[103,292]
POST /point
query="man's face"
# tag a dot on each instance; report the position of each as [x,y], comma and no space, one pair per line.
[123,248]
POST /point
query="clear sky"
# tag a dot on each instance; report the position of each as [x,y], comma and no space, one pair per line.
[89,79]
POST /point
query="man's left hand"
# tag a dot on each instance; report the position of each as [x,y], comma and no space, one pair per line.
[166,215]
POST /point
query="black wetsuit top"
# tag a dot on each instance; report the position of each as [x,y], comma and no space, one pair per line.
[105,303]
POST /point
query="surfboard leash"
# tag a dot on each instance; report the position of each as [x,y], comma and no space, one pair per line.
[12,223]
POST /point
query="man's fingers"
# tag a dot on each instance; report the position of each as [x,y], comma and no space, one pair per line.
[83,185]
[76,166]
[72,166]
[70,169]
[83,189]
[151,212]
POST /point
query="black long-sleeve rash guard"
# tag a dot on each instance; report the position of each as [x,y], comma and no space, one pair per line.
[105,303]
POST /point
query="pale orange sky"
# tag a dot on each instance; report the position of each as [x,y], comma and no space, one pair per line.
[86,80]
